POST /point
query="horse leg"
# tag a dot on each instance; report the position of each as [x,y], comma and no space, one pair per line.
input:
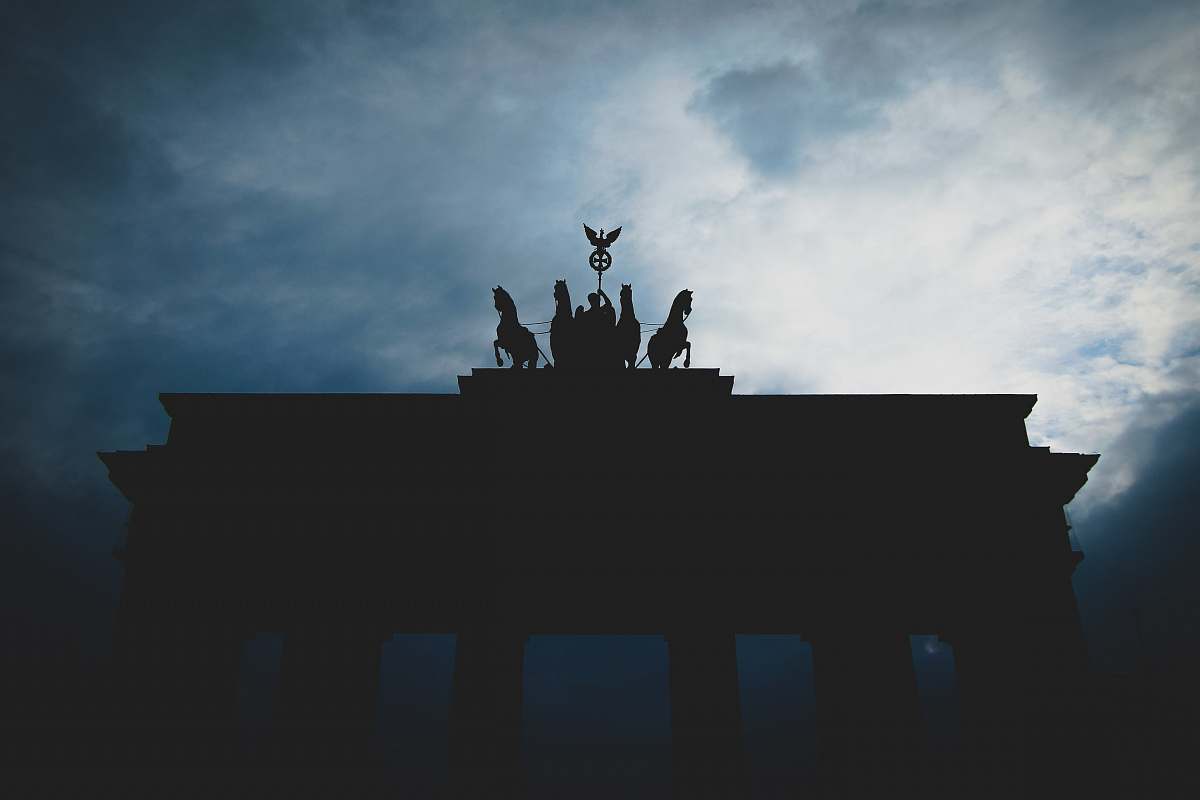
[652,351]
[531,348]
[687,362]
[496,347]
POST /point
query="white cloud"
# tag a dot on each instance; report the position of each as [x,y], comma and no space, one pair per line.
[990,234]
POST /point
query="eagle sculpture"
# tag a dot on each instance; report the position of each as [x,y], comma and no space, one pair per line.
[599,240]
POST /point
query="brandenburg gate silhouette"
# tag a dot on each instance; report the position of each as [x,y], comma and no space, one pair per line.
[537,502]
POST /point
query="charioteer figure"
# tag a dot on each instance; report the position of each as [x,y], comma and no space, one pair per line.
[598,332]
[601,313]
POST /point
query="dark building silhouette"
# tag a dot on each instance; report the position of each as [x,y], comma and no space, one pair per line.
[626,501]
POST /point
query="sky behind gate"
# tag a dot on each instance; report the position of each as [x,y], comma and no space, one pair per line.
[882,197]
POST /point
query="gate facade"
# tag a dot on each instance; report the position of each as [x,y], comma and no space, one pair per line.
[634,501]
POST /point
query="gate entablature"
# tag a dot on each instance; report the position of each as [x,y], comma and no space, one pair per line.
[820,489]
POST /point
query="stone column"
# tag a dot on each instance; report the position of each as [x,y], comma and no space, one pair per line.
[328,689]
[707,755]
[485,715]
[869,733]
[175,687]
[991,686]
[1021,674]
[1057,746]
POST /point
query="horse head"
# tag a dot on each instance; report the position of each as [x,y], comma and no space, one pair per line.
[503,300]
[626,293]
[683,301]
[562,297]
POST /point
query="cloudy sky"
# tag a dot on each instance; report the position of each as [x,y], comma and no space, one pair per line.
[865,197]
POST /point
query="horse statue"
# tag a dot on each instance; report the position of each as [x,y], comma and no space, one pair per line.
[516,339]
[564,333]
[629,330]
[669,341]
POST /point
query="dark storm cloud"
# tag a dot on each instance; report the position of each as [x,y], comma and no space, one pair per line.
[866,54]
[1141,551]
[1079,41]
[773,113]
